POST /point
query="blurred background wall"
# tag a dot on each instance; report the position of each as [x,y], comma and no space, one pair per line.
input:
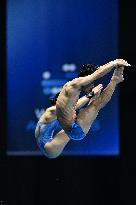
[47,42]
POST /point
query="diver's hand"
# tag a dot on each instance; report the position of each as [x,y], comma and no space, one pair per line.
[119,62]
[97,90]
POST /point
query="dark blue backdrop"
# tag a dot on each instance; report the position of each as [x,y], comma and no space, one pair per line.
[46,43]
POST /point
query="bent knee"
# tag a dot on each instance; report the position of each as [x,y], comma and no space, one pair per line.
[83,125]
[50,152]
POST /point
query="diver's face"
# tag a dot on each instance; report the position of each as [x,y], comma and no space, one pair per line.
[88,88]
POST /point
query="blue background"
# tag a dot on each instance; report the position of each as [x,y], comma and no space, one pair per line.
[46,36]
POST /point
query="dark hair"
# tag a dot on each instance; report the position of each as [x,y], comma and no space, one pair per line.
[87,69]
[54,99]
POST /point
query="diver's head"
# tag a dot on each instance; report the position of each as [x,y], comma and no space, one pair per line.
[54,99]
[87,69]
[88,88]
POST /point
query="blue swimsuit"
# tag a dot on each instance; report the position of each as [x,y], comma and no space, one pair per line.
[48,130]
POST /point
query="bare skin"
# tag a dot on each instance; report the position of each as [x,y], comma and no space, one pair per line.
[56,146]
[69,95]
[87,116]
[67,104]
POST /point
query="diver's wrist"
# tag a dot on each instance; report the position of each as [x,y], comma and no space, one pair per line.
[90,95]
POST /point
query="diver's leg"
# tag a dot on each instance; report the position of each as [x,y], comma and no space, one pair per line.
[55,147]
[86,117]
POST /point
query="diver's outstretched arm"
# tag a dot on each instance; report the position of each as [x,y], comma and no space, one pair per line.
[100,72]
[106,95]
